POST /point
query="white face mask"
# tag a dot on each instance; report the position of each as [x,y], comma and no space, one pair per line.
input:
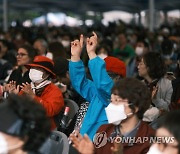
[160,38]
[154,150]
[3,145]
[115,113]
[36,75]
[4,149]
[65,43]
[139,51]
[102,55]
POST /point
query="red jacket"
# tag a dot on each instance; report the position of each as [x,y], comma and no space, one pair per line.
[137,148]
[52,100]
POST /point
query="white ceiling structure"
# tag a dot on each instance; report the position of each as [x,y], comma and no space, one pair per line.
[80,6]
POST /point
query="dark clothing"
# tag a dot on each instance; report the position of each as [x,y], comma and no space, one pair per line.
[17,76]
[10,57]
[175,99]
[137,147]
[5,68]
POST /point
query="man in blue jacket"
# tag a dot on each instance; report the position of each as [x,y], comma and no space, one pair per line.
[96,92]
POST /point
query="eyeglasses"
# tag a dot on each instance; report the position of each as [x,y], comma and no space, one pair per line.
[21,54]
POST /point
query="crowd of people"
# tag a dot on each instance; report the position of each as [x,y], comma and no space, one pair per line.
[125,80]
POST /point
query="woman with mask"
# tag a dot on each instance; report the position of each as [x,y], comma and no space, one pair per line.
[129,100]
[41,88]
[142,47]
[168,129]
[24,126]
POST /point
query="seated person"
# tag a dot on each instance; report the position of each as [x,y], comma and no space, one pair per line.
[41,88]
[96,92]
[24,125]
[129,100]
[152,69]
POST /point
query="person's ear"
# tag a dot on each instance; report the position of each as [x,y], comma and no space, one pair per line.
[136,110]
[67,75]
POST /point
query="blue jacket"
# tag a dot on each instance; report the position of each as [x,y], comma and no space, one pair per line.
[96,92]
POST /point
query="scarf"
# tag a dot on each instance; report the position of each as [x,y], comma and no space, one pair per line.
[40,87]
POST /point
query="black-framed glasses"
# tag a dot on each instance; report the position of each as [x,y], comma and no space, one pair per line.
[21,54]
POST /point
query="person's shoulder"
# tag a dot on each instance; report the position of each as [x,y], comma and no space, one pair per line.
[165,81]
[129,47]
[16,71]
[105,127]
[52,87]
[148,130]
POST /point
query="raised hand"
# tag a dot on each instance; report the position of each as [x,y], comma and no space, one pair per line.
[91,46]
[82,144]
[76,49]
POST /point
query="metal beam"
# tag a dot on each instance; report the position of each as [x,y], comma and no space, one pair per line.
[151,15]
[5,16]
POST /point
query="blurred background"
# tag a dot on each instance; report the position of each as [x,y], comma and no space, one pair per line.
[147,13]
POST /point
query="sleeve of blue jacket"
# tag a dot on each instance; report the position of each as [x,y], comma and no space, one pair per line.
[79,81]
[101,79]
[101,85]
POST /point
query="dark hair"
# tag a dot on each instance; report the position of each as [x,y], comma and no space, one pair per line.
[36,125]
[146,44]
[57,49]
[166,47]
[105,47]
[61,66]
[172,124]
[30,50]
[5,43]
[155,64]
[136,92]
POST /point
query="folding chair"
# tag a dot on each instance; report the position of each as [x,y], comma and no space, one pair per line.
[57,143]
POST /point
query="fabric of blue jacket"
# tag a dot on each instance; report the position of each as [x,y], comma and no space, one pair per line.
[96,92]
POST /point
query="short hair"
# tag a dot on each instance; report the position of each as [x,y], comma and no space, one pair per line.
[136,92]
[155,64]
[35,126]
[57,49]
[166,47]
[172,124]
[43,42]
[30,50]
[146,44]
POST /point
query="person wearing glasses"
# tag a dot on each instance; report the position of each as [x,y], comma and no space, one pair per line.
[25,55]
[126,131]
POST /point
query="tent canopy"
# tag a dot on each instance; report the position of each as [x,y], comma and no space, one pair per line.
[81,6]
